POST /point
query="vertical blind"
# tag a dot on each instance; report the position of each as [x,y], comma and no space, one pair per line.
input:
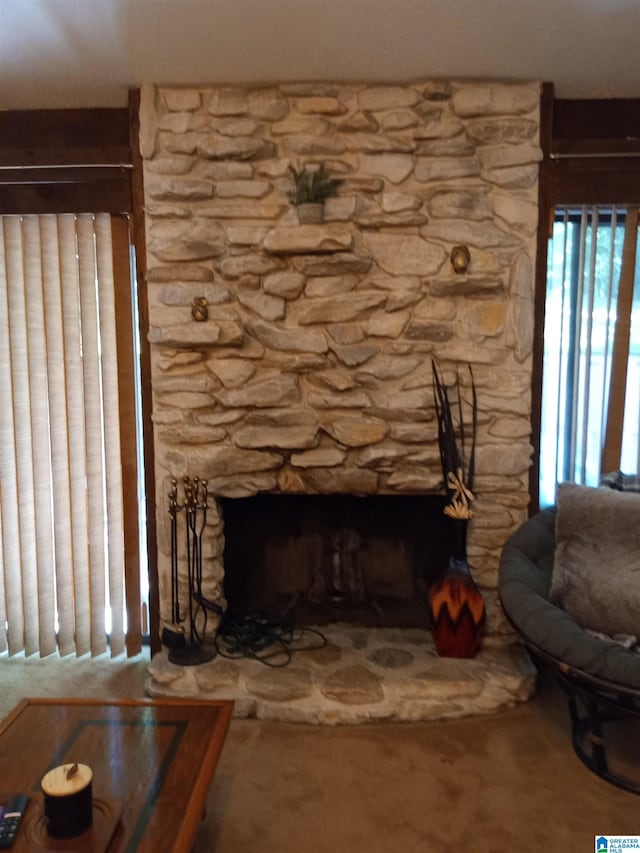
[62,572]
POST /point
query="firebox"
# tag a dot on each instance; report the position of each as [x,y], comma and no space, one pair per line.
[318,559]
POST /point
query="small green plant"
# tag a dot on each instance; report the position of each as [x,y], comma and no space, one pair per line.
[312,186]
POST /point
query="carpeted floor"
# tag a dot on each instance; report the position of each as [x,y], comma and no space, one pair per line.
[104,677]
[508,783]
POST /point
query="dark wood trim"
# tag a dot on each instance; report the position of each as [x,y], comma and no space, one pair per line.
[32,158]
[596,125]
[90,149]
[45,137]
[139,242]
[128,430]
[594,152]
[62,174]
[566,184]
[112,196]
[594,148]
[612,449]
[546,121]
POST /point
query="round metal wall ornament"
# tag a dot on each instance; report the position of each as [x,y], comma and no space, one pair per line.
[460,258]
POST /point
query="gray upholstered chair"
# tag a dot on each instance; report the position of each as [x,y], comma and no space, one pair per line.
[601,677]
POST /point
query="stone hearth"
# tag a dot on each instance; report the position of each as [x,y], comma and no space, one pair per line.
[360,676]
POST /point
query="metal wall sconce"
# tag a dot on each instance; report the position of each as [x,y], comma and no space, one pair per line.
[460,258]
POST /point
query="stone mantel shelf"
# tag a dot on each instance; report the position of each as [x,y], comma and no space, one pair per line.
[308,239]
[462,285]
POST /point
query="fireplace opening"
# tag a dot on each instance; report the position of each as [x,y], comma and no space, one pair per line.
[317,559]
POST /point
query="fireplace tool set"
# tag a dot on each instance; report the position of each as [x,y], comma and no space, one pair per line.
[186,643]
[269,641]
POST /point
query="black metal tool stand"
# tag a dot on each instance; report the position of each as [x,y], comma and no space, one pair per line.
[192,650]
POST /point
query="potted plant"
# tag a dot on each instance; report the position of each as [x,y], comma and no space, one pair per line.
[311,187]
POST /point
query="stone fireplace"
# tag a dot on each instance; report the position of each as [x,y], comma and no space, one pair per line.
[312,374]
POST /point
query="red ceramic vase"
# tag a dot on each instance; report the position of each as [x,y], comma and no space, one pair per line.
[456,605]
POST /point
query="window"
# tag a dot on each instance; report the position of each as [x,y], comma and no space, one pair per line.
[75,409]
[582,297]
[585,407]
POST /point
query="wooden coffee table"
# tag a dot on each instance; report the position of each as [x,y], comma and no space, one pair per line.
[152,766]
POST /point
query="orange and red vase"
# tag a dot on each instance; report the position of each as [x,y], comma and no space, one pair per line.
[456,604]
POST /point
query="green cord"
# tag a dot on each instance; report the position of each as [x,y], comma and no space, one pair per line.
[269,641]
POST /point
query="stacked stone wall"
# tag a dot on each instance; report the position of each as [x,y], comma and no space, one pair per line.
[312,373]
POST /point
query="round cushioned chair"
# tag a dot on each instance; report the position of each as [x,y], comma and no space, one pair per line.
[601,678]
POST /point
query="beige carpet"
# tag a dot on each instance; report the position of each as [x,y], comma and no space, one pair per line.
[508,783]
[102,676]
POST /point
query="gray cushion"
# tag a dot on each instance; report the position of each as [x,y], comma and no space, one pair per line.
[526,567]
[596,575]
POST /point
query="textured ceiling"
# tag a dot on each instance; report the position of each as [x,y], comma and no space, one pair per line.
[59,53]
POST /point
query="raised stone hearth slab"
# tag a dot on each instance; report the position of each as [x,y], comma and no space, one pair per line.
[362,675]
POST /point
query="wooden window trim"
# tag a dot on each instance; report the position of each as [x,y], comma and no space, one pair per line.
[65,161]
[139,242]
[591,155]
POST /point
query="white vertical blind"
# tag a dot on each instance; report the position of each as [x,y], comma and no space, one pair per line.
[12,630]
[79,577]
[19,487]
[89,321]
[58,426]
[61,500]
[113,468]
[44,639]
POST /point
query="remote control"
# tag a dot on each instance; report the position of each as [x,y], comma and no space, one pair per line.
[10,817]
